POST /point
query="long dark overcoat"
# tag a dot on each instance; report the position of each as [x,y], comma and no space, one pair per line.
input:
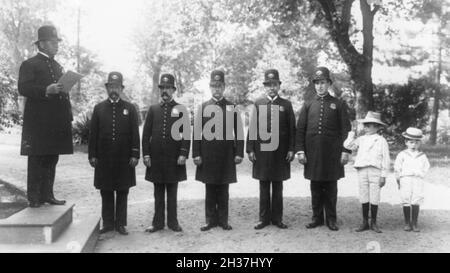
[322,127]
[113,140]
[161,146]
[272,165]
[218,166]
[47,120]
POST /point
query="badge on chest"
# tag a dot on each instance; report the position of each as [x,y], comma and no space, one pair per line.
[125,112]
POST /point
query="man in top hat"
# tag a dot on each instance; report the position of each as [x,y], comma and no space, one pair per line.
[322,127]
[114,153]
[216,158]
[165,151]
[272,166]
[47,118]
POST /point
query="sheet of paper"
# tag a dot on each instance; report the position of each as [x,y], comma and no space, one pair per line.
[69,79]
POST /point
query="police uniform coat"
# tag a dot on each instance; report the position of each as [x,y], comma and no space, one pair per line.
[218,166]
[157,142]
[113,140]
[322,127]
[272,165]
[47,120]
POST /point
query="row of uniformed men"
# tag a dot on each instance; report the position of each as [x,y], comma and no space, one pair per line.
[114,152]
[114,146]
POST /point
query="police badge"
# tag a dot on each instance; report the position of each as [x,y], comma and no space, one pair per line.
[333,106]
[125,112]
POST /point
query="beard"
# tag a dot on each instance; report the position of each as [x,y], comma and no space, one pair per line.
[165,96]
[114,95]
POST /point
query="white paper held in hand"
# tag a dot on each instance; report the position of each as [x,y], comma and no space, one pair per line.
[69,79]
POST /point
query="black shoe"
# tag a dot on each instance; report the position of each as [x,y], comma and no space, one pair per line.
[176,228]
[314,224]
[35,204]
[122,230]
[332,226]
[207,227]
[54,201]
[226,227]
[152,229]
[374,227]
[280,225]
[364,226]
[106,229]
[261,225]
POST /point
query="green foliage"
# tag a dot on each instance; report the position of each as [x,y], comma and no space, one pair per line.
[9,114]
[403,106]
[81,128]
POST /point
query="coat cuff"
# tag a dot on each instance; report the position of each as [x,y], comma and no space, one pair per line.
[135,153]
[184,152]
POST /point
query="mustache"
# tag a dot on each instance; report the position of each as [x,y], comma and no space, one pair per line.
[164,94]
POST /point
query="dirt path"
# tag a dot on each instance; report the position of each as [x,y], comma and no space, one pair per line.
[75,178]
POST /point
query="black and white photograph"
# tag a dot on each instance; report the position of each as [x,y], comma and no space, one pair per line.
[240,129]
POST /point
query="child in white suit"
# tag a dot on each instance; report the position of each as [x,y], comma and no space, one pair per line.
[410,168]
[372,163]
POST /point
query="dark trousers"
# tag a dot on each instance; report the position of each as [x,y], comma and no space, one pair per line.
[41,177]
[159,194]
[216,204]
[271,211]
[114,210]
[324,196]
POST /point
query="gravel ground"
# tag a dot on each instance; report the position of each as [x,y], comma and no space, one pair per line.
[75,183]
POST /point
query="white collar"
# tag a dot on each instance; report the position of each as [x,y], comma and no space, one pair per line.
[42,53]
[272,100]
[112,101]
[216,100]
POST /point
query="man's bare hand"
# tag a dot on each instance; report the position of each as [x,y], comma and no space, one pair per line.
[54,88]
[93,161]
[147,162]
[302,159]
[252,157]
[133,162]
[181,160]
[198,161]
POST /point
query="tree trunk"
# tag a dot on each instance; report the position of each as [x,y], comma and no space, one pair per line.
[154,98]
[437,92]
[360,65]
[434,118]
[363,88]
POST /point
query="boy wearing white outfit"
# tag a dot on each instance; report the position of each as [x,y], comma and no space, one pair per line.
[372,163]
[410,167]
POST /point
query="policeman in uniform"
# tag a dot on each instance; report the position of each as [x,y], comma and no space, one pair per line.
[114,153]
[47,118]
[322,127]
[216,159]
[165,154]
[272,167]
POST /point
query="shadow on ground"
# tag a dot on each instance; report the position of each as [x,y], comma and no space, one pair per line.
[244,239]
[12,200]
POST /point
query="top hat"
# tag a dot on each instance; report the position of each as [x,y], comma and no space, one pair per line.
[373,117]
[271,76]
[413,133]
[46,33]
[167,80]
[321,73]
[115,78]
[217,78]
